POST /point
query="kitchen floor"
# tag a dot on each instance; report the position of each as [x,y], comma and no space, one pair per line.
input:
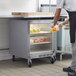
[40,67]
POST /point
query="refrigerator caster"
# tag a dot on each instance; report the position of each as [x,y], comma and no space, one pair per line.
[29,63]
[55,58]
[13,58]
[52,59]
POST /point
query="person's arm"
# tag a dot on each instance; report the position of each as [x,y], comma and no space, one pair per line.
[57,15]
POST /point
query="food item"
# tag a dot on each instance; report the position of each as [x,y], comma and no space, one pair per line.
[31,40]
[56,28]
[51,29]
[38,30]
[31,30]
[36,41]
[34,30]
[43,39]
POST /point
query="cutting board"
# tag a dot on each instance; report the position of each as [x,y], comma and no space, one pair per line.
[32,13]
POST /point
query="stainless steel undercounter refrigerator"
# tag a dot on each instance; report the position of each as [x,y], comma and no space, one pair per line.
[31,38]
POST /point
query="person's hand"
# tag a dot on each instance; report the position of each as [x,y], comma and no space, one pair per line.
[60,25]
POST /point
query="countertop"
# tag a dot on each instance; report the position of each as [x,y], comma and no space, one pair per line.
[35,14]
[30,15]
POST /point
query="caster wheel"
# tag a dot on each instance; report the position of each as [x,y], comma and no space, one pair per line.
[30,63]
[13,58]
[53,59]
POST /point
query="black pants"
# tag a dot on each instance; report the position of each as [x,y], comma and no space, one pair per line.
[72,19]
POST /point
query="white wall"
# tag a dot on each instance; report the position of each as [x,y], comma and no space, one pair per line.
[8,6]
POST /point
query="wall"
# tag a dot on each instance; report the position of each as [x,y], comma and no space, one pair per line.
[6,7]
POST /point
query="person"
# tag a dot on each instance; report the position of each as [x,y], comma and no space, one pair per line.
[70,7]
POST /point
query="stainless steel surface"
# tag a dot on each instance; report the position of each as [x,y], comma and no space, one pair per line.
[20,40]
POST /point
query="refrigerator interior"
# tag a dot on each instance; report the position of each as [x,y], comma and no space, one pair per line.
[40,37]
